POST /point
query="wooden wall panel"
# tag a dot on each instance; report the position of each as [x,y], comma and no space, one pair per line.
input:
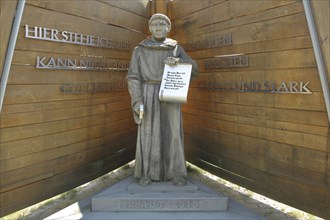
[321,10]
[275,144]
[52,141]
[99,11]
[7,12]
[182,9]
[137,7]
[227,12]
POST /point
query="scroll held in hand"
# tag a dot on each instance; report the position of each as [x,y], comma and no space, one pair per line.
[175,83]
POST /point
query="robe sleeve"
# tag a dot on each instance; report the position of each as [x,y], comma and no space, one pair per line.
[185,58]
[134,82]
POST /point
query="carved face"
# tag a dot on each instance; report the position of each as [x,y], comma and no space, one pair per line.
[159,29]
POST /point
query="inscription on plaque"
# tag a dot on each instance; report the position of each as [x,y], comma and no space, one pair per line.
[160,204]
[227,62]
[175,83]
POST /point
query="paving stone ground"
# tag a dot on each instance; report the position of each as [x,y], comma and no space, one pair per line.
[264,206]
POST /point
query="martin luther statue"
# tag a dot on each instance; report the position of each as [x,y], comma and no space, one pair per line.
[160,147]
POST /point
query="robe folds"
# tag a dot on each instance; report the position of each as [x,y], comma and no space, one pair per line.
[159,148]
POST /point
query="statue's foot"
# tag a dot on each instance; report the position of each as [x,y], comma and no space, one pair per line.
[179,181]
[144,181]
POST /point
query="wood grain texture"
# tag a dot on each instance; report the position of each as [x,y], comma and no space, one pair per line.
[50,141]
[274,144]
[7,11]
[226,10]
[321,14]
[100,11]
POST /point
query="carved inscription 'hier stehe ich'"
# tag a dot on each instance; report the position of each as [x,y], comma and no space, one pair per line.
[51,34]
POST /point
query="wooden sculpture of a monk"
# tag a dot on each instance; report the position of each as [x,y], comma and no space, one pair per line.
[160,147]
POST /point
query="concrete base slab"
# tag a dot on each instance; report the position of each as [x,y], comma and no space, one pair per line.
[83,209]
[128,196]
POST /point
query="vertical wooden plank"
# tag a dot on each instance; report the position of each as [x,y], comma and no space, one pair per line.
[152,7]
[161,6]
[7,12]
[169,9]
[321,12]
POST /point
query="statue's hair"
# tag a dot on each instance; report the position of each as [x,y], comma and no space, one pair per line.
[160,16]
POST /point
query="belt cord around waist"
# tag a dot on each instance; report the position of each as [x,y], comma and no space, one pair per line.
[152,82]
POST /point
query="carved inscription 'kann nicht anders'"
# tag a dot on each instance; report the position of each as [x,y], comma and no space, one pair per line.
[80,64]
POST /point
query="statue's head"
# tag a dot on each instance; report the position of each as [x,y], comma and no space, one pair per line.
[159,26]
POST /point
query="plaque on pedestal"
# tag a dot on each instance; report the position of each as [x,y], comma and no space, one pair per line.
[129,196]
[175,83]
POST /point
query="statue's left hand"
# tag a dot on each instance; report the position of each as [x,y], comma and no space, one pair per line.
[172,61]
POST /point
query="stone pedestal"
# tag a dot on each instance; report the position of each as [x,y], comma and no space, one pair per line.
[129,196]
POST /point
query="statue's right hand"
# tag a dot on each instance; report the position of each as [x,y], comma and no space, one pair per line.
[137,107]
[137,110]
